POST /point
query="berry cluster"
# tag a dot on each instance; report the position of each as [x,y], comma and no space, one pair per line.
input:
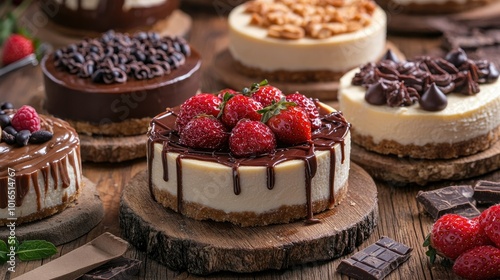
[23,127]
[250,122]
[472,244]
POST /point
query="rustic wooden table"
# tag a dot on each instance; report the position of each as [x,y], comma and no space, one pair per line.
[400,217]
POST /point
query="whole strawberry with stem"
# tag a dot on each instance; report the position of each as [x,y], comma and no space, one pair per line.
[264,93]
[289,122]
[237,107]
[225,91]
[204,132]
[479,263]
[16,47]
[308,105]
[251,138]
[204,103]
[452,235]
[489,221]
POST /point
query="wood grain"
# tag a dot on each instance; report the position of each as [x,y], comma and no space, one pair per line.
[203,247]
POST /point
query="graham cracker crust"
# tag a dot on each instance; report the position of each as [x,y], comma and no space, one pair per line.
[124,128]
[429,151]
[284,214]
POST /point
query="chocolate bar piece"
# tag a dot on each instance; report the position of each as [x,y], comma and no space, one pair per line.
[118,269]
[452,199]
[487,192]
[375,261]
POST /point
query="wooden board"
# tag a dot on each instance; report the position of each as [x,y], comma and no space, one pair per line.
[177,24]
[223,68]
[75,221]
[203,247]
[112,149]
[401,171]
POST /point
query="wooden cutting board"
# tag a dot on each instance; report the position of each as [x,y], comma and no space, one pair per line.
[203,247]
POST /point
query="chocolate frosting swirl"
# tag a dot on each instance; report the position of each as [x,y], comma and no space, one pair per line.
[402,83]
[116,57]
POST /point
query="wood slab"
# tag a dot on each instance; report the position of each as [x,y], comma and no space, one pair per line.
[203,247]
[75,221]
[402,171]
[112,149]
[224,70]
[177,24]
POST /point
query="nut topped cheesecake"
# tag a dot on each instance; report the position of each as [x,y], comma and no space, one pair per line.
[285,158]
[305,41]
[115,84]
[428,107]
[432,6]
[40,170]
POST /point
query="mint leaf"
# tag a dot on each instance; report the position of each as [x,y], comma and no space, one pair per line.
[3,252]
[35,249]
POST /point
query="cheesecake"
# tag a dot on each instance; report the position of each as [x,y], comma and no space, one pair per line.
[428,107]
[40,176]
[431,6]
[288,183]
[291,41]
[114,84]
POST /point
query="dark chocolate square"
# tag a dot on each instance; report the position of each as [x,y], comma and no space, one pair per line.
[446,200]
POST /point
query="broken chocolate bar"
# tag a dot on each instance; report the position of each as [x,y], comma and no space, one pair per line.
[117,269]
[375,261]
[453,199]
[487,192]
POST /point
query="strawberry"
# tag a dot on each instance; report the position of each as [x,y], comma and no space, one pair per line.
[289,122]
[452,235]
[26,118]
[489,221]
[264,93]
[239,107]
[251,138]
[204,132]
[308,105]
[204,103]
[223,92]
[482,262]
[15,48]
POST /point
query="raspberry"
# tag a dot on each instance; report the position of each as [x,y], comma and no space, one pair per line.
[26,118]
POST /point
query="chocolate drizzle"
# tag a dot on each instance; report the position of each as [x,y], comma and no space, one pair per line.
[396,83]
[333,131]
[49,159]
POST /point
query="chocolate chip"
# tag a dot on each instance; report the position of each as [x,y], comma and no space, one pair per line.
[433,99]
[456,57]
[389,55]
[375,94]
[493,73]
[22,137]
[40,136]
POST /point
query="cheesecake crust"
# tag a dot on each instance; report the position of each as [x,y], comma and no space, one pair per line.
[127,127]
[428,151]
[284,214]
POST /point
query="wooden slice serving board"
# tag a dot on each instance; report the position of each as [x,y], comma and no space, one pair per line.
[76,220]
[203,247]
[401,171]
[112,149]
[177,24]
[224,69]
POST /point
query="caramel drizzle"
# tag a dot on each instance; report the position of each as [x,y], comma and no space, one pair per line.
[333,131]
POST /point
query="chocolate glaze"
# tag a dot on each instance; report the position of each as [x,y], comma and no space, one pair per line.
[73,98]
[49,158]
[333,131]
[109,14]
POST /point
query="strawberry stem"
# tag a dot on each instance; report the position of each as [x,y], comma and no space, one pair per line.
[274,109]
[254,87]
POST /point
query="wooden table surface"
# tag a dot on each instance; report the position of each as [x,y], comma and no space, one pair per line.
[400,217]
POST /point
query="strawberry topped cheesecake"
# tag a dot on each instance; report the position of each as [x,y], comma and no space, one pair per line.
[252,157]
[428,107]
[40,166]
[305,41]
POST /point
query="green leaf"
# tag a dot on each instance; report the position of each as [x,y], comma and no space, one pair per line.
[35,249]
[4,250]
[7,27]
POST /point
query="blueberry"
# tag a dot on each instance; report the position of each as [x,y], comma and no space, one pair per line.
[6,105]
[40,136]
[10,130]
[140,56]
[4,120]
[8,138]
[98,76]
[78,57]
[22,137]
